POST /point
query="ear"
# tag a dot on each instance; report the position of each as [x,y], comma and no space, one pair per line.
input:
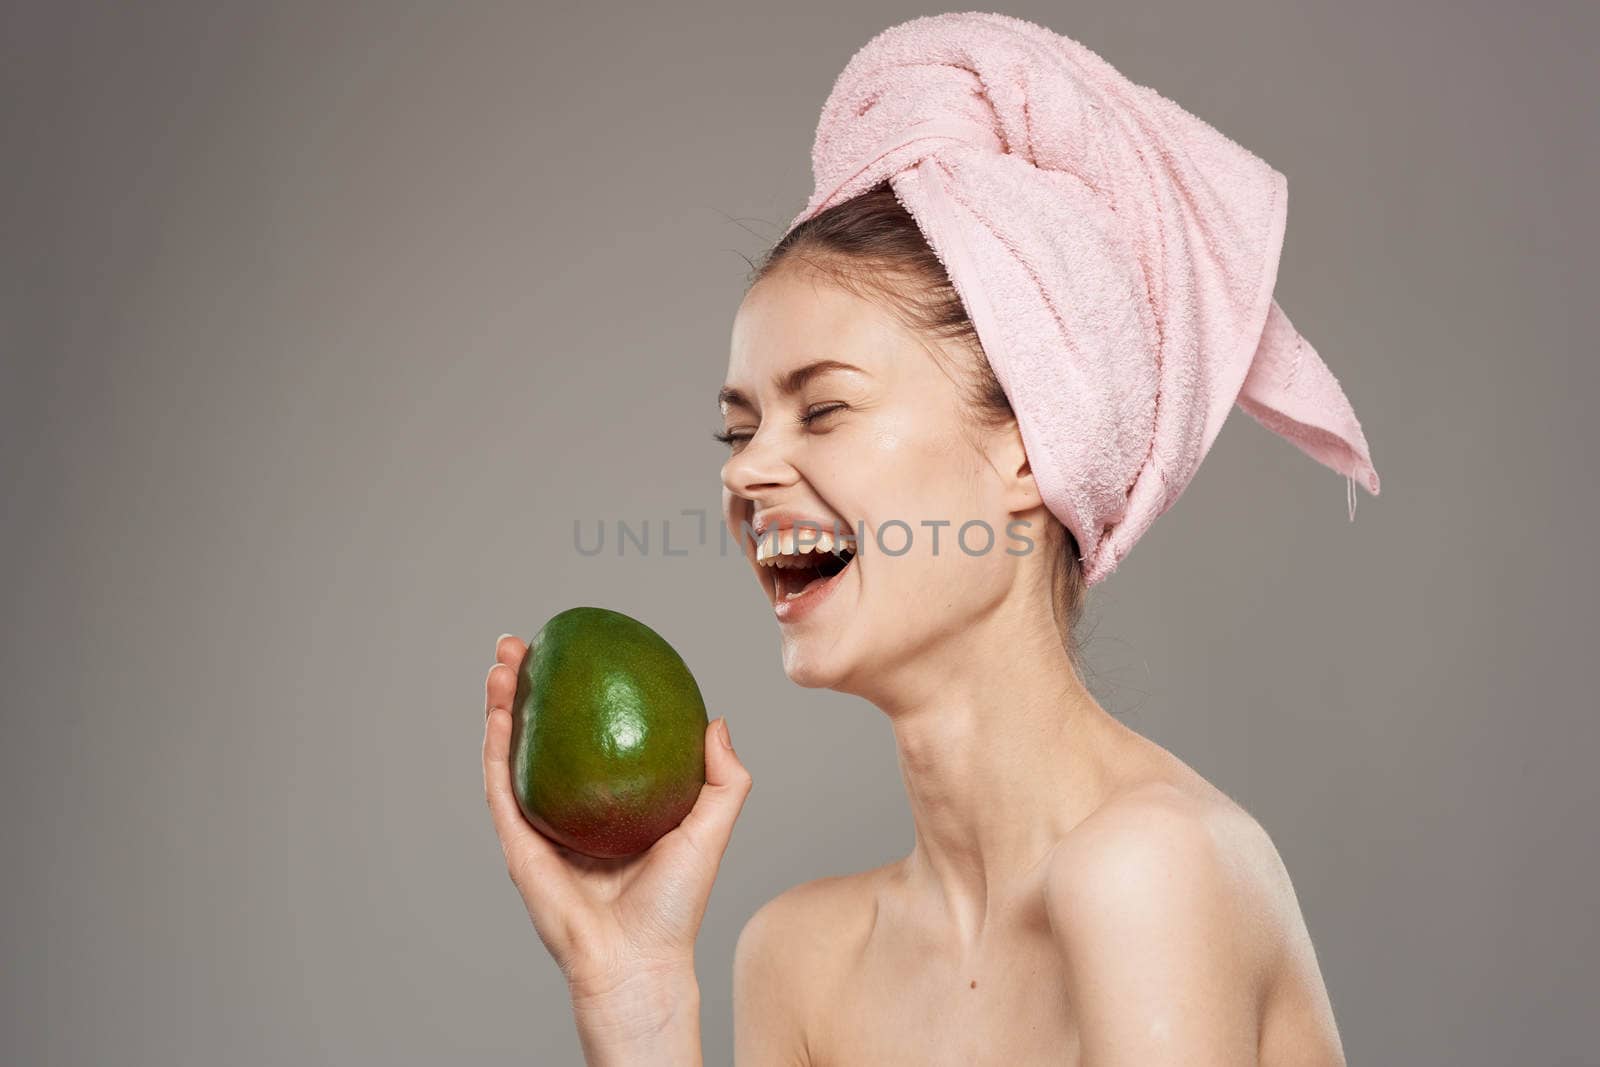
[1009,458]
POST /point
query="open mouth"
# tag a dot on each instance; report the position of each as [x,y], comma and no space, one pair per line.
[793,580]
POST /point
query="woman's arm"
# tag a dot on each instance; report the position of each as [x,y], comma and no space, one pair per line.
[1165,950]
[650,1019]
[621,930]
[654,1019]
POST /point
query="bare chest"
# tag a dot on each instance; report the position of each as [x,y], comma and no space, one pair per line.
[901,1002]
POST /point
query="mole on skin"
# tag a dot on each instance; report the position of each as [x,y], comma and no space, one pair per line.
[974,983]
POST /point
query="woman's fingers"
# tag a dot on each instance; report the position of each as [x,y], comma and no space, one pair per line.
[500,687]
[532,860]
[709,825]
[514,832]
[510,649]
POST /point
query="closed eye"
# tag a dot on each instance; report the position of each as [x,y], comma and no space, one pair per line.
[813,414]
[805,418]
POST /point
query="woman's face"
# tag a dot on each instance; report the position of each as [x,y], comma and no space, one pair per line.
[839,415]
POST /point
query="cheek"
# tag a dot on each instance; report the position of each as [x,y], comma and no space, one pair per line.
[928,477]
[911,453]
[907,468]
[910,483]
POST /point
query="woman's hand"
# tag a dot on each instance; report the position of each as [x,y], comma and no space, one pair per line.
[609,922]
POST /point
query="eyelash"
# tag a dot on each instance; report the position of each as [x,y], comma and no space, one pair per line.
[805,419]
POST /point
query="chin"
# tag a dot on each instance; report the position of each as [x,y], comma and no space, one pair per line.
[813,668]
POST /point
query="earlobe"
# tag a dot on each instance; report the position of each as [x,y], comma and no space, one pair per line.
[1025,492]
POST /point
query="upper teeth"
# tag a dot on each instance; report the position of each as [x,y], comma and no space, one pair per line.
[785,549]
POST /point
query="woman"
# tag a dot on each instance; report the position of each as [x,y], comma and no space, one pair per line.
[1075,894]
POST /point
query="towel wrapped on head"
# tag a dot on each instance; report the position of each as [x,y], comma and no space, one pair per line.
[1117,256]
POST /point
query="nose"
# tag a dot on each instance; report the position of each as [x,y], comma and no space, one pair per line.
[758,468]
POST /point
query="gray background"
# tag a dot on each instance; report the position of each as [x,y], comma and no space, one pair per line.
[323,323]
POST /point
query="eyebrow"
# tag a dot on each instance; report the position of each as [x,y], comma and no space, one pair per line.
[788,384]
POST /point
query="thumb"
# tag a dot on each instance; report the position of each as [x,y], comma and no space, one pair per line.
[710,824]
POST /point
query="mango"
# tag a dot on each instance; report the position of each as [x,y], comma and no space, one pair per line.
[607,734]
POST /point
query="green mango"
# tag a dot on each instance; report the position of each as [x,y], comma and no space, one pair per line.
[607,734]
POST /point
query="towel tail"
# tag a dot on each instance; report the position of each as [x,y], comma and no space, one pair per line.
[1291,392]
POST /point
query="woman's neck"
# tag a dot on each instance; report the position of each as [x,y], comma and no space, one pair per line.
[1003,750]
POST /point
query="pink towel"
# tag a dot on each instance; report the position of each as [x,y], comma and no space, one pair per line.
[1116,253]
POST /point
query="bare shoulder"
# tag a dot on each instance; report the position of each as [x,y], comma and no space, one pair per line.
[813,921]
[1170,903]
[1182,847]
[1168,835]
[788,955]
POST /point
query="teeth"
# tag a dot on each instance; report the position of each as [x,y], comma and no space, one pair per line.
[787,550]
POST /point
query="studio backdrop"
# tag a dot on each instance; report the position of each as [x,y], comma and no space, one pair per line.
[331,333]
